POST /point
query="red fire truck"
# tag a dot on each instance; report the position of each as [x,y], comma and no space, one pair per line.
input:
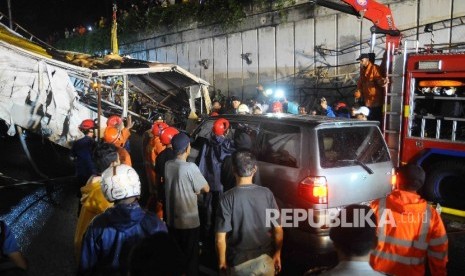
[424,118]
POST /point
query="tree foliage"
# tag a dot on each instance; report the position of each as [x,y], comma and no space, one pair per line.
[226,14]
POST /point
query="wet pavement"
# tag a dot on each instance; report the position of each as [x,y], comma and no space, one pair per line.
[43,214]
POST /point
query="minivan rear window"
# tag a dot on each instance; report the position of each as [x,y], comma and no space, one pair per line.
[342,146]
[279,144]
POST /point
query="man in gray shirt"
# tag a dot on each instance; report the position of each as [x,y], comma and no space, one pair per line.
[245,244]
[184,182]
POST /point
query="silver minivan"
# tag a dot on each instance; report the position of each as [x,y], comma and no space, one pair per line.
[314,163]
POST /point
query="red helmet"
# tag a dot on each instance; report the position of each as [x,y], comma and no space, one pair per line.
[277,107]
[220,126]
[157,128]
[114,120]
[167,134]
[87,124]
[340,105]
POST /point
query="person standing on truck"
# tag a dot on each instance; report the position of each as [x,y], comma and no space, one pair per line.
[245,244]
[416,236]
[370,85]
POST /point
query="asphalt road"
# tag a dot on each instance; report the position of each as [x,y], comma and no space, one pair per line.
[43,214]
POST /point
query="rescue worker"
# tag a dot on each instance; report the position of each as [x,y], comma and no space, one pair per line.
[277,107]
[166,155]
[410,232]
[111,235]
[112,135]
[117,122]
[370,85]
[92,200]
[82,151]
[212,156]
[152,150]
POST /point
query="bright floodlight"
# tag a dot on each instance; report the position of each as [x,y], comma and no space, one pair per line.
[279,93]
[89,28]
[268,92]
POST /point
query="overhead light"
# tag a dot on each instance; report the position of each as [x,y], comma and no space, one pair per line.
[279,93]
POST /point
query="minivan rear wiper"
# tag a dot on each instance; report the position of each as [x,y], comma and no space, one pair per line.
[358,162]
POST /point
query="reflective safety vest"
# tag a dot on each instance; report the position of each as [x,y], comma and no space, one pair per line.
[402,248]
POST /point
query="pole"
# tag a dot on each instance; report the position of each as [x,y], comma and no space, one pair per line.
[10,17]
[99,109]
[125,96]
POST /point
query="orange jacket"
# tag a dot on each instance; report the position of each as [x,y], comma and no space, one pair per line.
[370,85]
[409,231]
[152,150]
[124,156]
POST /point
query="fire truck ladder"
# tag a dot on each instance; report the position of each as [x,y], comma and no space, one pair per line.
[393,99]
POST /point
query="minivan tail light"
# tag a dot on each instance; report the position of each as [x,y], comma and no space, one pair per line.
[393,179]
[314,189]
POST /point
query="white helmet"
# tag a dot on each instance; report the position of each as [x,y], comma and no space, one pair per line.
[243,109]
[450,91]
[120,182]
[436,90]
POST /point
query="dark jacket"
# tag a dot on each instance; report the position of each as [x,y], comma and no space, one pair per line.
[82,150]
[212,155]
[111,235]
[242,141]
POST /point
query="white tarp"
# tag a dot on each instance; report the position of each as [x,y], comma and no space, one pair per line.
[39,97]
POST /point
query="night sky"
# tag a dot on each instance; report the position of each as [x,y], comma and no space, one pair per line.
[43,17]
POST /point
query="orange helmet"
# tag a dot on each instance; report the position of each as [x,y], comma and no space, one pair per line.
[220,126]
[277,107]
[157,128]
[87,124]
[111,135]
[114,120]
[167,134]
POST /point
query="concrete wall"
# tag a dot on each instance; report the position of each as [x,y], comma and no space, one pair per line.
[314,48]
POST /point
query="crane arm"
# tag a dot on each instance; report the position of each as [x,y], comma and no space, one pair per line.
[379,14]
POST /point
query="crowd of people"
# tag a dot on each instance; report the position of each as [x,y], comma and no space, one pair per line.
[366,103]
[116,235]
